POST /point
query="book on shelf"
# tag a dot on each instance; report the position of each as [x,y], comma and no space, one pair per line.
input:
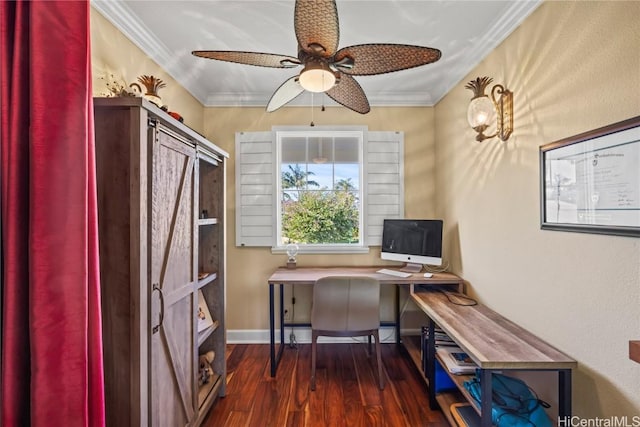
[204,316]
[456,360]
[441,338]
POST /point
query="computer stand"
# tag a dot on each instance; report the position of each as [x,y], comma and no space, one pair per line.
[412,268]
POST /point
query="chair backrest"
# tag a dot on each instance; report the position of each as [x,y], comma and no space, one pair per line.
[346,303]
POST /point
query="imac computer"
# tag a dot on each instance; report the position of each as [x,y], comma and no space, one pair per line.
[413,241]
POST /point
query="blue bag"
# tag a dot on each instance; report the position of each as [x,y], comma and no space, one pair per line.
[513,404]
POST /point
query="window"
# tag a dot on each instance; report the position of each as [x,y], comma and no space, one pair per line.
[363,171]
[320,195]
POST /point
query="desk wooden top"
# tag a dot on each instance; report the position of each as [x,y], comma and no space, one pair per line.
[491,340]
[309,275]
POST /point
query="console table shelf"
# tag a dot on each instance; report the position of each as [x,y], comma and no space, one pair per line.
[634,351]
[412,346]
[493,342]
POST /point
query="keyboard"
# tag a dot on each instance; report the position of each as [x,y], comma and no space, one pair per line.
[394,273]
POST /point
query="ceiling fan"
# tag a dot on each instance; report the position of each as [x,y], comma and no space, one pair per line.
[327,69]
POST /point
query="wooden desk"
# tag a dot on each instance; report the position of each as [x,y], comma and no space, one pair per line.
[309,276]
[494,343]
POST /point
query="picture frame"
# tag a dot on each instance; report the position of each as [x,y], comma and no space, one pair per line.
[204,315]
[590,183]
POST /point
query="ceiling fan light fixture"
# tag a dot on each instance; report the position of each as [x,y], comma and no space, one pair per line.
[317,77]
[328,69]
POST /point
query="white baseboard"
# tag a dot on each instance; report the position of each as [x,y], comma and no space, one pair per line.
[303,336]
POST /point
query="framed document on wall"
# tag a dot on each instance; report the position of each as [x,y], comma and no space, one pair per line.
[590,182]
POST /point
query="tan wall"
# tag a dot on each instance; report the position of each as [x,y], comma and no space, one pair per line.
[573,66]
[113,56]
[249,268]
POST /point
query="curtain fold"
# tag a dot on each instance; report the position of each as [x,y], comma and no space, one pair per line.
[51,328]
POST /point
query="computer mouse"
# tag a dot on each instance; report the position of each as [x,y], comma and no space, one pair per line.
[428,275]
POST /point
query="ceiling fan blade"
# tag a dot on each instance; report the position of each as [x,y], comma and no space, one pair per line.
[380,58]
[316,25]
[349,93]
[250,58]
[285,93]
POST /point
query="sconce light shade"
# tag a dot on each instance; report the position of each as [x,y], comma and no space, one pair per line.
[483,111]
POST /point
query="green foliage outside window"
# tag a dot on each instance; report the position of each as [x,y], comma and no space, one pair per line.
[321,217]
[314,216]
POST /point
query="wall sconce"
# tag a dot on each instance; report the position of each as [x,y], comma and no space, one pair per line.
[482,110]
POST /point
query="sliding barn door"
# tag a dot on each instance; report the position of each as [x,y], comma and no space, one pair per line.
[172,238]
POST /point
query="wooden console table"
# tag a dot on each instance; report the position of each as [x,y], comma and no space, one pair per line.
[634,351]
[494,343]
[309,276]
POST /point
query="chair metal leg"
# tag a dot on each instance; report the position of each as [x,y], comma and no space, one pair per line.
[314,338]
[379,359]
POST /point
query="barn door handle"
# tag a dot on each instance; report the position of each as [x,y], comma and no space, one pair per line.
[157,327]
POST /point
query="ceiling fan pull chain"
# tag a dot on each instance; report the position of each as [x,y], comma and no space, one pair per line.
[312,124]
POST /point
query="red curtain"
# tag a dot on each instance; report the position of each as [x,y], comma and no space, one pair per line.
[51,321]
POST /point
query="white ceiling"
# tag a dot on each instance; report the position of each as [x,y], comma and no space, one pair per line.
[167,31]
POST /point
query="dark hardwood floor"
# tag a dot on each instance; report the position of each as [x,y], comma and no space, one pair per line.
[346,393]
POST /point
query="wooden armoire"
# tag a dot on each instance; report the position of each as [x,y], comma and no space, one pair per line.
[161,206]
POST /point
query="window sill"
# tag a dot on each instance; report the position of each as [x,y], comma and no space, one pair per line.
[334,249]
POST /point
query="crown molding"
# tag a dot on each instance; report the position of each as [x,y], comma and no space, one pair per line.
[119,14]
[517,12]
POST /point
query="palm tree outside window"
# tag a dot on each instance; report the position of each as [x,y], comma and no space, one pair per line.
[320,192]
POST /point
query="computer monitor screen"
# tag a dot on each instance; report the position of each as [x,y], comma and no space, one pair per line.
[413,241]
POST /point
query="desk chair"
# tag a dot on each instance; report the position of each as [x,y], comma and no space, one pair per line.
[345,307]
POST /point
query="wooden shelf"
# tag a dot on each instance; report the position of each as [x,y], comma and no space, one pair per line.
[634,351]
[445,400]
[494,343]
[459,381]
[458,417]
[412,346]
[207,221]
[205,390]
[210,278]
[207,394]
[205,333]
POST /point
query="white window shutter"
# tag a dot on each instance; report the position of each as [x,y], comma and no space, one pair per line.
[256,186]
[255,189]
[384,179]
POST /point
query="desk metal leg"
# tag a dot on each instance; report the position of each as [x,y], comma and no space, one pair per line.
[397,314]
[272,331]
[275,358]
[564,390]
[281,321]
[431,364]
[487,393]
